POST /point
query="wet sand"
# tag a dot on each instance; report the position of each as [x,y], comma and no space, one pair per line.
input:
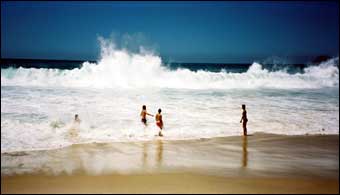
[260,163]
[164,183]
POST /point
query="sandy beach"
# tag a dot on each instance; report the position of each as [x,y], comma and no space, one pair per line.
[164,183]
[170,97]
[259,163]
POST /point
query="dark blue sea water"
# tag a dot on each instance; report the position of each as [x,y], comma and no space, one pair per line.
[212,67]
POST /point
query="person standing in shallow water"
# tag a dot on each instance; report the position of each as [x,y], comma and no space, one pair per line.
[143,114]
[244,120]
[74,129]
[159,121]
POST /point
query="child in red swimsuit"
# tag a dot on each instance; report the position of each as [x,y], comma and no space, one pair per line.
[159,121]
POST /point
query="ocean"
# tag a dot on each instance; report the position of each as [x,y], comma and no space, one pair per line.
[39,99]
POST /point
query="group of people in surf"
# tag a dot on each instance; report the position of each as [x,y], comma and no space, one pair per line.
[159,119]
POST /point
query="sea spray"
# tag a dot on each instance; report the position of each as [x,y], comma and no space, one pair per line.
[119,68]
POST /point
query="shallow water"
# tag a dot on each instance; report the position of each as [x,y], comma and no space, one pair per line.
[34,117]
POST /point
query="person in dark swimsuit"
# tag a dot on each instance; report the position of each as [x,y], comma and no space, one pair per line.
[244,119]
[143,114]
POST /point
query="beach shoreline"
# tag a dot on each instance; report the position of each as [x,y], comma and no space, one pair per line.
[259,163]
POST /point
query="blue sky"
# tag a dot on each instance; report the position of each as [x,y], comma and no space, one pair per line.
[178,31]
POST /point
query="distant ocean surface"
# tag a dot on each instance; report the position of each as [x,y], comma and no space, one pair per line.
[39,99]
[210,67]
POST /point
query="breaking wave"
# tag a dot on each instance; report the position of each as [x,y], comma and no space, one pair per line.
[119,68]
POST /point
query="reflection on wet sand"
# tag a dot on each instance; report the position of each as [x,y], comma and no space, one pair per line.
[145,154]
[158,156]
[159,153]
[221,156]
[245,152]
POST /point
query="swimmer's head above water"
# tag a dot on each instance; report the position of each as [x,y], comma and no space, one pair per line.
[76,118]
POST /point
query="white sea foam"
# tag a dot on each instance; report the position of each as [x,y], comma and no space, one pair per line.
[38,105]
[118,68]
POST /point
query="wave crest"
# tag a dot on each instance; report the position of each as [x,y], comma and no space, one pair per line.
[119,68]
